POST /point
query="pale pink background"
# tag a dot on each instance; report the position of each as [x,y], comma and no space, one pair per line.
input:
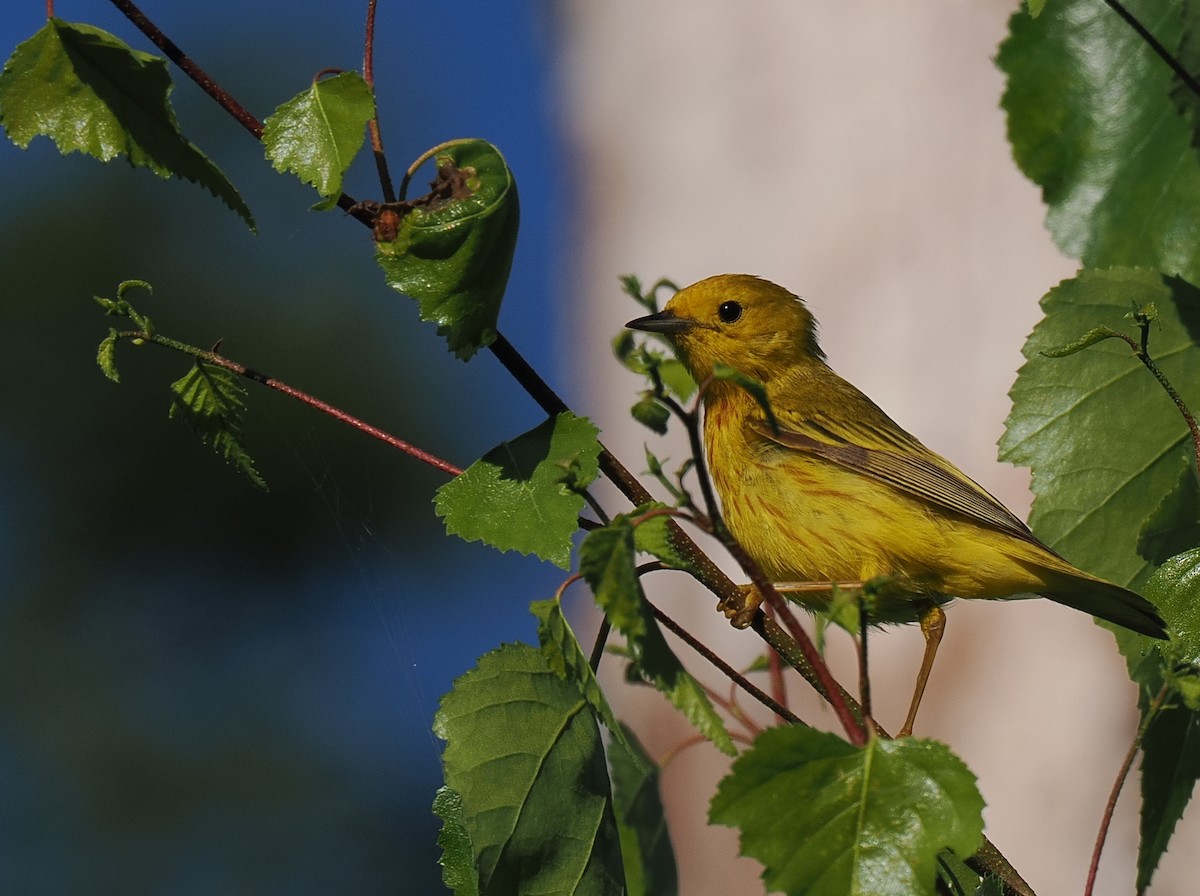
[854,152]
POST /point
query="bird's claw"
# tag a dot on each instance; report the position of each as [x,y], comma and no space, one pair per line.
[740,611]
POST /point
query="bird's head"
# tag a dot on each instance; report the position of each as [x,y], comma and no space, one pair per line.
[749,323]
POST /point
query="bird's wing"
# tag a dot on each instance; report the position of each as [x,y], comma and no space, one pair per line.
[890,455]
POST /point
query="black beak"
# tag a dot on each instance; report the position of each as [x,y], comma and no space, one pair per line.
[663,322]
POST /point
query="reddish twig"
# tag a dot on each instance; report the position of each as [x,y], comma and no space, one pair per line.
[1122,774]
[385,178]
[211,357]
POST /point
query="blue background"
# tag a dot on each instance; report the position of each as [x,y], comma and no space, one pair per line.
[208,689]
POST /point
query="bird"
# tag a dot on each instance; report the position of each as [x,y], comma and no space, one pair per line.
[827,490]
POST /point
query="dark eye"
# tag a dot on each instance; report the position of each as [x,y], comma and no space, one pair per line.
[729,312]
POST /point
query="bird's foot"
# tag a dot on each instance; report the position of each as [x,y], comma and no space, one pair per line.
[740,610]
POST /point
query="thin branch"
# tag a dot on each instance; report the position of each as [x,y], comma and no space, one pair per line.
[385,178]
[190,68]
[1141,350]
[211,357]
[733,674]
[1122,774]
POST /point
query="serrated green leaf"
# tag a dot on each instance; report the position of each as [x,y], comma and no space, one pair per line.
[90,92]
[523,751]
[607,562]
[646,849]
[317,133]
[829,819]
[458,856]
[106,356]
[1170,767]
[453,252]
[514,497]
[1091,122]
[1103,440]
[562,652]
[212,401]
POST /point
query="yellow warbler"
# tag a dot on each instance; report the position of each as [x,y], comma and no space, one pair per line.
[839,492]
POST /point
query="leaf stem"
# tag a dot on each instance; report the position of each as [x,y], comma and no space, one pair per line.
[1141,350]
[1122,774]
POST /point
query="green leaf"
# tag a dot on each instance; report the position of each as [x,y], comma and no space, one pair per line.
[1174,526]
[652,414]
[646,849]
[515,497]
[562,652]
[656,536]
[106,356]
[212,401]
[1175,590]
[1035,7]
[607,562]
[317,133]
[1171,747]
[639,357]
[1102,438]
[1170,767]
[453,249]
[1188,54]
[825,817]
[89,92]
[1091,122]
[458,856]
[523,751]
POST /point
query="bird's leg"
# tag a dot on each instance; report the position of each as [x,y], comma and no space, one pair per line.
[933,625]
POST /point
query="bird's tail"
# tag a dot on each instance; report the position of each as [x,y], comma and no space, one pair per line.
[1108,601]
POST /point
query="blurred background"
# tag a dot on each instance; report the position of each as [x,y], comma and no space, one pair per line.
[209,689]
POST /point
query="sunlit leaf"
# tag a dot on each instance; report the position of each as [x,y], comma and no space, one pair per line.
[829,819]
[90,92]
[453,249]
[458,856]
[524,753]
[212,401]
[517,497]
[317,133]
